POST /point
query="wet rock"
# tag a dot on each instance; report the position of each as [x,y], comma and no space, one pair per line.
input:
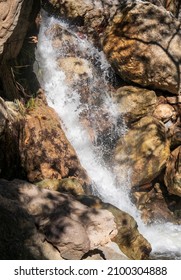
[152,204]
[44,149]
[173,172]
[142,153]
[90,17]
[142,44]
[134,103]
[81,64]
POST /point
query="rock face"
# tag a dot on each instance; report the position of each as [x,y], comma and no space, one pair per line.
[69,225]
[14,24]
[144,149]
[44,149]
[134,103]
[10,122]
[88,16]
[142,44]
[16,17]
[173,172]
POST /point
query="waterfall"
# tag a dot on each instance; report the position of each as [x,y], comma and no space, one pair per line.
[66,100]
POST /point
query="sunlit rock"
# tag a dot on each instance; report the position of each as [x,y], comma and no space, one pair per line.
[134,103]
[143,45]
[45,151]
[72,185]
[164,112]
[143,151]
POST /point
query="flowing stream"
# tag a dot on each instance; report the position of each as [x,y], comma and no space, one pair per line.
[66,100]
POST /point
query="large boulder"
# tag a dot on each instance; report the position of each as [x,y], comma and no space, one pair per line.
[45,151]
[134,103]
[128,238]
[143,45]
[142,152]
[70,226]
[173,172]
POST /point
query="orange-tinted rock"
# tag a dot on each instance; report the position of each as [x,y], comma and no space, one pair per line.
[143,45]
[44,149]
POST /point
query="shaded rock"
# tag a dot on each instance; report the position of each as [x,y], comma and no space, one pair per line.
[44,149]
[174,6]
[19,238]
[152,204]
[110,251]
[16,17]
[174,99]
[142,152]
[176,135]
[128,238]
[67,235]
[142,44]
[134,103]
[173,172]
[67,224]
[10,122]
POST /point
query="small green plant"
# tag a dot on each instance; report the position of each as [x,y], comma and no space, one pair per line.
[31,103]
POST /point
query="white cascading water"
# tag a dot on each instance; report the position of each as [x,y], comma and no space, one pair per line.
[164,238]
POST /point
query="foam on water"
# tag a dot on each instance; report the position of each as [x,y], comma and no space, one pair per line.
[164,238]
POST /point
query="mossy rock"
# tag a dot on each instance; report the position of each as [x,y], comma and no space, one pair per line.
[71,185]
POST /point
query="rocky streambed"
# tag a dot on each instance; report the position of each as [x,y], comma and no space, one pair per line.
[111,73]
